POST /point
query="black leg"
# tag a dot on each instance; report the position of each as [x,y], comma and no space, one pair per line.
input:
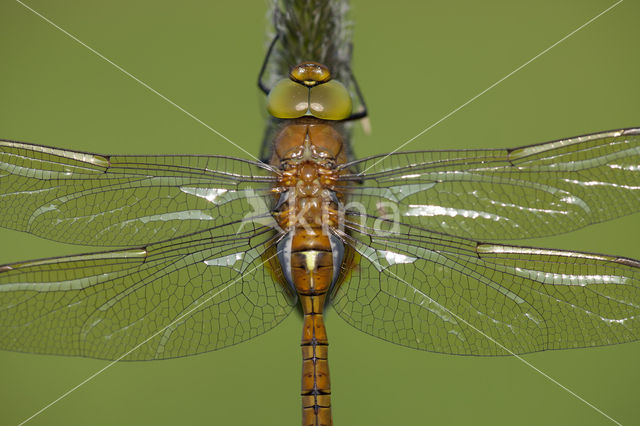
[363,111]
[261,85]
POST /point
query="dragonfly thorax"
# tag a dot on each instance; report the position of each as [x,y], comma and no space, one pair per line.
[308,153]
[308,140]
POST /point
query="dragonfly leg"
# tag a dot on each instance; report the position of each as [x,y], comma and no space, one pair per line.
[263,68]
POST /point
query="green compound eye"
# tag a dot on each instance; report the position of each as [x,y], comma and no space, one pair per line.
[330,101]
[288,99]
[327,101]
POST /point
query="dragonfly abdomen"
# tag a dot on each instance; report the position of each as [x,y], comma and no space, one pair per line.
[312,273]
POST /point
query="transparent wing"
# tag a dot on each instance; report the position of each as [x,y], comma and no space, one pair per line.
[440,293]
[100,200]
[181,297]
[532,191]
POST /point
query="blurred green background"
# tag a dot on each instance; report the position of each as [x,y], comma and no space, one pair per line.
[415,61]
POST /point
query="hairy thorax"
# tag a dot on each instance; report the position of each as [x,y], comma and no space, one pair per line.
[308,153]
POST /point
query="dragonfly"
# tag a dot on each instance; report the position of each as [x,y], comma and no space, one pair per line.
[249,185]
[217,250]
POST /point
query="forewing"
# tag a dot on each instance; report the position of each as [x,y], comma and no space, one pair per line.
[100,200]
[526,192]
[444,294]
[181,297]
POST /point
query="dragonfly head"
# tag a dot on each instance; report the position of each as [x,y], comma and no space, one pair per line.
[310,73]
[309,91]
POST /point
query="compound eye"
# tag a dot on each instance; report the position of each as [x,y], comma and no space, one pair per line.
[330,101]
[288,99]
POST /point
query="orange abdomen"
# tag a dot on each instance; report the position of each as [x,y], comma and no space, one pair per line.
[312,273]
